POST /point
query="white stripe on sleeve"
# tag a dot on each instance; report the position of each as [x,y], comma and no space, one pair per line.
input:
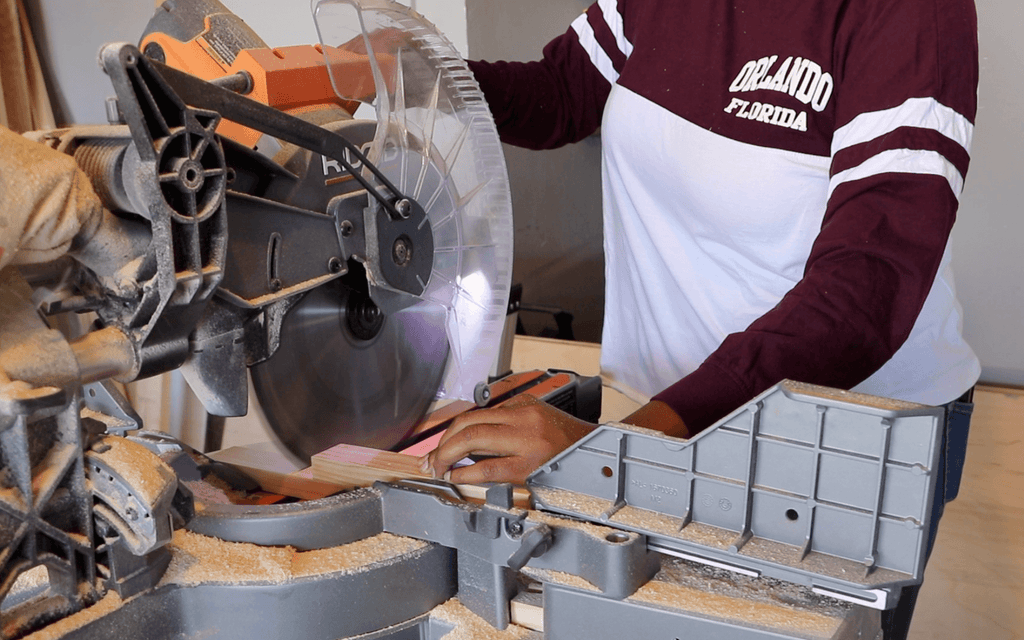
[612,18]
[923,113]
[593,48]
[902,161]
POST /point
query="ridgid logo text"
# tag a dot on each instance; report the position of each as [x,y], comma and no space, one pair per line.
[798,77]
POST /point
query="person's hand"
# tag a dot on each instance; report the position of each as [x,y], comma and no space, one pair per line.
[522,434]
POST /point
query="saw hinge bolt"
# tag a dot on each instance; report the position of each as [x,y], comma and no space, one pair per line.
[334,265]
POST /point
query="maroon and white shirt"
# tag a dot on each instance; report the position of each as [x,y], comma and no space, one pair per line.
[780,182]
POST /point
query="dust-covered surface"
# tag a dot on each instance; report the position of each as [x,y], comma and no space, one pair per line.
[823,564]
[59,629]
[565,522]
[719,539]
[828,393]
[758,602]
[199,559]
[559,578]
[469,626]
[144,472]
[576,503]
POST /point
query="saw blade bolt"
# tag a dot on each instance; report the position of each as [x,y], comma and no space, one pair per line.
[401,251]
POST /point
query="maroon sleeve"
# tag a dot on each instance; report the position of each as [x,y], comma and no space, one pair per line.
[548,103]
[887,222]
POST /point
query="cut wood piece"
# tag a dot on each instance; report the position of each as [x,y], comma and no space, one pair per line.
[276,472]
[527,612]
[347,464]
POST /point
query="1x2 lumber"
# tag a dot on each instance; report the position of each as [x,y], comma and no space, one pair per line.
[276,472]
[347,464]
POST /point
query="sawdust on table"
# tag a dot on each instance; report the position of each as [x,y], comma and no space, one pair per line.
[760,602]
[571,501]
[59,629]
[594,530]
[559,578]
[828,393]
[469,626]
[199,559]
[141,470]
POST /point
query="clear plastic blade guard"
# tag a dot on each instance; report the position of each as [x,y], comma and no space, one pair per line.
[436,141]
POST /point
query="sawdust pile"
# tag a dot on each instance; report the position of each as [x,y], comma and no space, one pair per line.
[141,470]
[59,629]
[469,626]
[560,578]
[725,595]
[198,559]
[571,501]
[827,393]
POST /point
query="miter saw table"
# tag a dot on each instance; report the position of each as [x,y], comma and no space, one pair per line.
[335,220]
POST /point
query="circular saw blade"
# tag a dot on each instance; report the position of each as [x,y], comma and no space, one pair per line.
[435,139]
[330,381]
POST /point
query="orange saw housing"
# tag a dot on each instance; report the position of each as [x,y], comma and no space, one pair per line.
[293,79]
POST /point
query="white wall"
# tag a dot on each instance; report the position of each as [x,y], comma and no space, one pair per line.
[988,241]
[281,27]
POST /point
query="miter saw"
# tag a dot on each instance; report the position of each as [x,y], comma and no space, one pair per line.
[336,219]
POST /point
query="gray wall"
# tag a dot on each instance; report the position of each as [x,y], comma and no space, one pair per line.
[987,241]
[556,194]
[69,36]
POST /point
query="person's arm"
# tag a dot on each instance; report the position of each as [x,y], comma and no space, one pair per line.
[559,99]
[906,82]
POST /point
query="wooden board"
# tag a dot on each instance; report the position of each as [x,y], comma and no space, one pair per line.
[348,464]
[276,472]
[340,468]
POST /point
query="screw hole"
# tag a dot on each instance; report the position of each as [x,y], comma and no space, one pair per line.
[607,472]
[792,514]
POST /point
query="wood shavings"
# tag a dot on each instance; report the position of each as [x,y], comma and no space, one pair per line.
[198,559]
[559,578]
[144,472]
[828,393]
[594,530]
[571,501]
[469,626]
[758,602]
[370,551]
[59,629]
